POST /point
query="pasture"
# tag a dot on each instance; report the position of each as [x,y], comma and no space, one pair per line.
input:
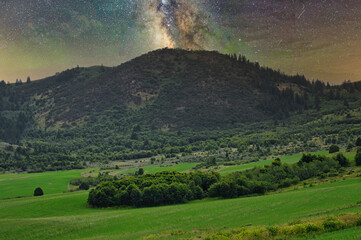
[65,215]
[23,185]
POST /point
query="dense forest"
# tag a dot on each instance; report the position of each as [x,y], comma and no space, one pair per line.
[169,104]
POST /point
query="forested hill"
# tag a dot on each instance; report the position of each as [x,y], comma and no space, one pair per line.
[166,88]
[165,98]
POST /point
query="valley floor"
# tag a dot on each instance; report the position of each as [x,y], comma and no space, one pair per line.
[65,215]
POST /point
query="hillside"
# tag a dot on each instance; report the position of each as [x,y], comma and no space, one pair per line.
[167,87]
[168,101]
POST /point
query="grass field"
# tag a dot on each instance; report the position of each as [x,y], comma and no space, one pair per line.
[65,216]
[59,215]
[347,234]
[23,185]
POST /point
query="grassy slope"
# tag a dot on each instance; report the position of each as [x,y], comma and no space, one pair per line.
[24,184]
[347,234]
[66,216]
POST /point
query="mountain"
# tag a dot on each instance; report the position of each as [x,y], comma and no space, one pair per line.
[168,88]
[164,102]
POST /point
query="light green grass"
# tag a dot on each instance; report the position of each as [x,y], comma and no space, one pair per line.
[65,216]
[350,155]
[347,234]
[16,185]
[181,167]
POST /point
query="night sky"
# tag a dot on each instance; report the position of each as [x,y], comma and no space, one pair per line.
[317,38]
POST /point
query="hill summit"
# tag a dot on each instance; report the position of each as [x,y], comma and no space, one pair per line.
[168,88]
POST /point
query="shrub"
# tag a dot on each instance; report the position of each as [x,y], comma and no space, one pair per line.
[342,160]
[38,192]
[358,157]
[221,189]
[349,147]
[273,230]
[331,224]
[333,149]
[312,228]
[277,162]
[358,142]
[84,186]
[358,222]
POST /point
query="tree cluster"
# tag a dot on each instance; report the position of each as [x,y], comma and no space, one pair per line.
[153,189]
[173,187]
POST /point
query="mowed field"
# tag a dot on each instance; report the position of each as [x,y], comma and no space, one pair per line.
[65,215]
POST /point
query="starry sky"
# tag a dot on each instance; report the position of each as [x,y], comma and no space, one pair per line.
[317,38]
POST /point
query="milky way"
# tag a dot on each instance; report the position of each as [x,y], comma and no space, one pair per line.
[177,23]
[318,38]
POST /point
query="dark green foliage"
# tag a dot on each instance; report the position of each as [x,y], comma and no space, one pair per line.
[38,192]
[332,224]
[358,222]
[333,149]
[307,158]
[134,196]
[349,147]
[84,186]
[358,142]
[358,157]
[277,162]
[152,189]
[224,189]
[342,160]
[140,171]
[104,195]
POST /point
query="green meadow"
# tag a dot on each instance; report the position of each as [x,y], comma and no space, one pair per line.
[65,215]
[23,185]
[346,234]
